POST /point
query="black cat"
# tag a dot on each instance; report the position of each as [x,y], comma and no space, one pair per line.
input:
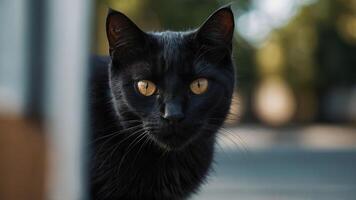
[157,108]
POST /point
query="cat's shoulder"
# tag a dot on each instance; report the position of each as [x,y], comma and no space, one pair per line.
[99,67]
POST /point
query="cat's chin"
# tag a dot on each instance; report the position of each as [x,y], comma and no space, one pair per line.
[172,142]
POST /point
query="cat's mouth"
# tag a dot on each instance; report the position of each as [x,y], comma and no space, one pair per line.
[174,137]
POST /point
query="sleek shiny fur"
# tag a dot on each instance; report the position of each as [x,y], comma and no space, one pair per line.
[159,146]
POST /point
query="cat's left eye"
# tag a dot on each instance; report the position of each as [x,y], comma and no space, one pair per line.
[146,87]
[199,86]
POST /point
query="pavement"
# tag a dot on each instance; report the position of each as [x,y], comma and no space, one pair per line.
[316,162]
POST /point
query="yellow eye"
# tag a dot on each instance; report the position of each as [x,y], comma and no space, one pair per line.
[199,86]
[146,88]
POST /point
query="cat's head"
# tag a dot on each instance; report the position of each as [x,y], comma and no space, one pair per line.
[174,87]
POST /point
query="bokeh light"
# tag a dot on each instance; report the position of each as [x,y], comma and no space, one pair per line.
[274,102]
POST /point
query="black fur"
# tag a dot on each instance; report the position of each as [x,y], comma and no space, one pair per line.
[137,154]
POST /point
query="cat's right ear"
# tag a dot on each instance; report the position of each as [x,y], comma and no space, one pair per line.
[122,33]
[218,29]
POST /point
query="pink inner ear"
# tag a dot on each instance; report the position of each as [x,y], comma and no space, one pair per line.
[226,22]
[114,30]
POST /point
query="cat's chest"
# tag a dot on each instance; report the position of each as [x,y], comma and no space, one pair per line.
[174,174]
[136,171]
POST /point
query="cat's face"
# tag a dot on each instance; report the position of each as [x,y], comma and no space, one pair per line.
[176,86]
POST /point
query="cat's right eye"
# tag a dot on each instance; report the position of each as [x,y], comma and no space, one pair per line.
[146,87]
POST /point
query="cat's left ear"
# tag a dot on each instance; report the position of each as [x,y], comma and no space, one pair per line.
[218,29]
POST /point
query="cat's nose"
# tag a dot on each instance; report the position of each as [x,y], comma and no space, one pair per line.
[173,111]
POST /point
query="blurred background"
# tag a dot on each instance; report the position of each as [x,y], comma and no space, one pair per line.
[291,133]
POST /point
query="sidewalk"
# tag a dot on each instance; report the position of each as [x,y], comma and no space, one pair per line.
[306,163]
[310,137]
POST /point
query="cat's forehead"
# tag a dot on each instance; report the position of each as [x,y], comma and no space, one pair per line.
[174,50]
[171,38]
